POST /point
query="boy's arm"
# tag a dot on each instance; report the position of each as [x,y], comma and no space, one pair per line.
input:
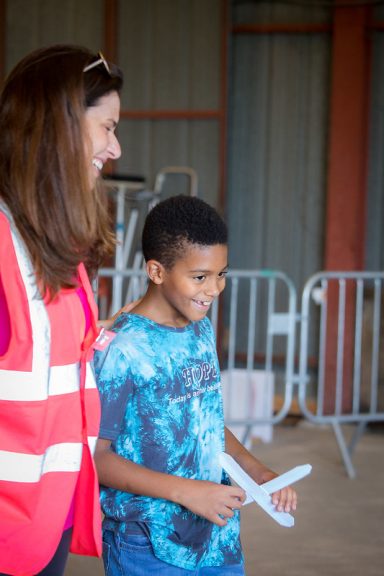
[284,500]
[215,502]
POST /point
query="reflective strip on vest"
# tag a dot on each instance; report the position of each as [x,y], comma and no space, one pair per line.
[16,467]
[65,457]
[41,333]
[90,381]
[92,443]
[24,386]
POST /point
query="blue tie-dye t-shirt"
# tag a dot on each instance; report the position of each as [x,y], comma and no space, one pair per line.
[162,408]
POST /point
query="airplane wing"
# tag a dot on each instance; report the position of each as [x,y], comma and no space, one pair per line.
[260,493]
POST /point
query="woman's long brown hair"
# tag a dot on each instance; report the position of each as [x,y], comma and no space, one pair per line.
[44,165]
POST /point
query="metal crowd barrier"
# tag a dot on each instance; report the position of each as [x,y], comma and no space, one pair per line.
[349,387]
[256,344]
[340,375]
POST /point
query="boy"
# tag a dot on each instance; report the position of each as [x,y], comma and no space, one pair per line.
[169,508]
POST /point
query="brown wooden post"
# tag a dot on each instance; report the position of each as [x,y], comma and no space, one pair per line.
[110,49]
[347,169]
[110,30]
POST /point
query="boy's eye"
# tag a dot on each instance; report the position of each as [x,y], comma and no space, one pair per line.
[223,274]
[199,278]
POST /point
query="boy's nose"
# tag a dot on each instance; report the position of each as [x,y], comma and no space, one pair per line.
[213,289]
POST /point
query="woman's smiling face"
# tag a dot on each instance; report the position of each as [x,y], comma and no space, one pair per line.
[101,122]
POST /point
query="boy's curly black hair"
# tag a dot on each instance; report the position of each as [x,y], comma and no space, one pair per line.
[177,222]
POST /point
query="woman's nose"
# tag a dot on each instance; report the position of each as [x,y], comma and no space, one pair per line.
[114,147]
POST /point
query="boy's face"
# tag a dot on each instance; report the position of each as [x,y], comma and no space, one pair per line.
[190,286]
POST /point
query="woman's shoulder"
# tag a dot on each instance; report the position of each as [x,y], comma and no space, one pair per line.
[5,232]
[4,220]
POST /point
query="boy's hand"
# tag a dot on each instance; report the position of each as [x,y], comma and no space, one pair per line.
[215,502]
[285,500]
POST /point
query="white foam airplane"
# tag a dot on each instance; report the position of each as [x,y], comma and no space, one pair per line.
[261,493]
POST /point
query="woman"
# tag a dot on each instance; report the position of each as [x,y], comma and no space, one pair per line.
[59,109]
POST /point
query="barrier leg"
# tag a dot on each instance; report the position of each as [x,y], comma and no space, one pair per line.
[359,431]
[343,449]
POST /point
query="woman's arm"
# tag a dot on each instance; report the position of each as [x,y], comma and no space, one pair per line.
[109,321]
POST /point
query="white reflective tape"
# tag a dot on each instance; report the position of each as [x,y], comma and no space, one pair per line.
[17,385]
[41,330]
[64,379]
[90,381]
[92,443]
[16,467]
[27,386]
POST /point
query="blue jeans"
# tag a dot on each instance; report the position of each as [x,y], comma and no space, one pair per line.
[132,555]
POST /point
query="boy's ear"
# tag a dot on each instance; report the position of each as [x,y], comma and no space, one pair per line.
[155,271]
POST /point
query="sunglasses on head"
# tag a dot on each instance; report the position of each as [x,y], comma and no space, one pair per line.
[100,60]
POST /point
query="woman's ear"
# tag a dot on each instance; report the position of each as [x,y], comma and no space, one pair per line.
[155,271]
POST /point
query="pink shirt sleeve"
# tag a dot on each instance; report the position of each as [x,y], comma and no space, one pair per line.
[5,326]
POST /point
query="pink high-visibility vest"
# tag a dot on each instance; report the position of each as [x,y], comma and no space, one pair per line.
[49,417]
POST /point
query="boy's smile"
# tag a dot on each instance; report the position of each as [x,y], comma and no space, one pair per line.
[186,291]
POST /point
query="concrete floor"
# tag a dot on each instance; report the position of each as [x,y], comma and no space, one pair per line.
[339,526]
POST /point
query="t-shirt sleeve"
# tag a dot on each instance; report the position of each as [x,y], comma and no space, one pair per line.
[114,385]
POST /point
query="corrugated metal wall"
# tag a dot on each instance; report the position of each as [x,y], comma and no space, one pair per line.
[170,54]
[374,256]
[281,12]
[170,51]
[35,23]
[278,142]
